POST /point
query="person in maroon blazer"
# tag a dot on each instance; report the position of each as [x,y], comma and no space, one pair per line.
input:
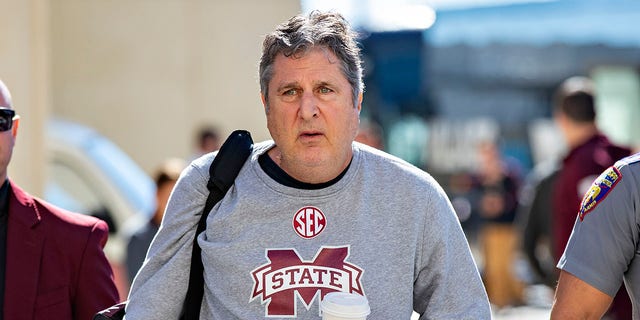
[52,264]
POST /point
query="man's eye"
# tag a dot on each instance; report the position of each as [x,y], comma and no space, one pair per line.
[325,90]
[290,92]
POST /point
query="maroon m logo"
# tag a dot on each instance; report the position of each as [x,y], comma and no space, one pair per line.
[286,274]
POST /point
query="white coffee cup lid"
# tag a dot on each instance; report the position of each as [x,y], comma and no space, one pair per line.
[344,304]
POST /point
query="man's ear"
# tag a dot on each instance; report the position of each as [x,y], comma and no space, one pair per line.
[264,102]
[14,128]
[359,106]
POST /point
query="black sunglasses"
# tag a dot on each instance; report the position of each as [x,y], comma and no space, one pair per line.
[6,118]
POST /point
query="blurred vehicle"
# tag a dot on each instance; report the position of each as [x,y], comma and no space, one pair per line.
[88,173]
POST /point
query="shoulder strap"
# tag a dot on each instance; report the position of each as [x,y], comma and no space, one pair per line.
[223,171]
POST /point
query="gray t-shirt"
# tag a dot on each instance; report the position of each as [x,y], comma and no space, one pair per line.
[603,247]
[386,230]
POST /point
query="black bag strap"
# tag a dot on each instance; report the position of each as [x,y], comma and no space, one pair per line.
[222,173]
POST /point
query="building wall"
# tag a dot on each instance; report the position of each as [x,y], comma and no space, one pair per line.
[147,73]
[144,73]
[24,67]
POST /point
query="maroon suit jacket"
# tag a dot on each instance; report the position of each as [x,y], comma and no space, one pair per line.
[55,268]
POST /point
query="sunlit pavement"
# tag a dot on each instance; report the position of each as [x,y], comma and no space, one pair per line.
[517,313]
[522,313]
[538,307]
[539,299]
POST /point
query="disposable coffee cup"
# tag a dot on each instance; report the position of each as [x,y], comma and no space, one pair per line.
[344,306]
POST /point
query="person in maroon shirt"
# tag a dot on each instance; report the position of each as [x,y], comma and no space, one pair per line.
[590,153]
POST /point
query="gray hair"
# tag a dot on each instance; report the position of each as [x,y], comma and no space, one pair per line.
[299,34]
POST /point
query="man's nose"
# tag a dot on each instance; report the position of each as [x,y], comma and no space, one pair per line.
[308,106]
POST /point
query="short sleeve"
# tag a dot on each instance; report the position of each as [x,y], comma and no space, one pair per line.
[605,234]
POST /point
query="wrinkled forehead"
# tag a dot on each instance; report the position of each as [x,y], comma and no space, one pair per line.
[312,58]
[5,96]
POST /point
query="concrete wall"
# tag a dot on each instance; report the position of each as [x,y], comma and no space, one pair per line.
[24,67]
[144,73]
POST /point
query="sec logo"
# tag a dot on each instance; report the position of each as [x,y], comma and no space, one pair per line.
[308,222]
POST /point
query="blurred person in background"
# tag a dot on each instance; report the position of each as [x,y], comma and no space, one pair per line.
[499,184]
[463,192]
[534,220]
[603,246]
[311,212]
[371,134]
[165,178]
[590,153]
[207,140]
[52,264]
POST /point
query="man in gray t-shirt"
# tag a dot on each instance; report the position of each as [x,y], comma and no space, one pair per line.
[603,247]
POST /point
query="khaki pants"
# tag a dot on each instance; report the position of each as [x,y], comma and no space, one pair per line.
[499,243]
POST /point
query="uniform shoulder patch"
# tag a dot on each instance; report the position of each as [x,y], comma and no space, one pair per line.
[599,190]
